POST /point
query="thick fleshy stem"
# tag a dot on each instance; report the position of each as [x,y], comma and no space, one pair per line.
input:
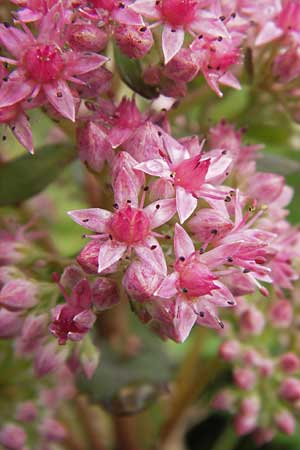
[199,375]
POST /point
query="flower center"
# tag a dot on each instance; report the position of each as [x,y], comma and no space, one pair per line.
[43,63]
[178,12]
[130,225]
[195,279]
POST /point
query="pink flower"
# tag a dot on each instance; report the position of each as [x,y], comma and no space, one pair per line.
[75,318]
[193,283]
[43,66]
[190,174]
[177,17]
[129,227]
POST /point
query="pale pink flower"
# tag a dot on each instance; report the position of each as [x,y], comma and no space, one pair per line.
[191,175]
[43,66]
[178,16]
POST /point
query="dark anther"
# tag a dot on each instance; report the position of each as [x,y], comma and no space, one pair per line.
[173,30]
[200,36]
[153,247]
[4,138]
[159,133]
[6,24]
[13,128]
[146,188]
[230,302]
[184,290]
[246,270]
[167,236]
[6,65]
[201,314]
[229,259]
[220,38]
[222,18]
[214,231]
[121,5]
[221,324]
[224,152]
[233,15]
[201,251]
[110,237]
[5,79]
[59,94]
[182,258]
[209,66]
[128,201]
[143,29]
[116,206]
[85,220]
[157,206]
[227,199]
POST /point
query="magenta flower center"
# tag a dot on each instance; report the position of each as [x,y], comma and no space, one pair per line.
[130,225]
[178,12]
[190,174]
[43,63]
[194,278]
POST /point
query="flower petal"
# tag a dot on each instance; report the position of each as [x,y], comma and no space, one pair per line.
[83,62]
[167,288]
[186,204]
[22,130]
[155,167]
[60,96]
[160,212]
[183,244]
[146,7]
[93,218]
[12,92]
[14,40]
[172,40]
[110,252]
[154,259]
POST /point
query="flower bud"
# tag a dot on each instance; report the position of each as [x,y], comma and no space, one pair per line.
[88,257]
[33,332]
[285,422]
[223,400]
[182,67]
[290,389]
[289,362]
[244,378]
[94,147]
[140,281]
[244,424]
[104,294]
[87,36]
[12,437]
[252,321]
[10,324]
[230,350]
[281,314]
[52,430]
[19,294]
[48,359]
[134,40]
[27,412]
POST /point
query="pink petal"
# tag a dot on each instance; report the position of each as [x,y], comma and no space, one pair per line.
[12,92]
[186,204]
[217,169]
[110,252]
[183,244]
[93,218]
[208,24]
[118,135]
[60,96]
[14,40]
[155,167]
[160,212]
[127,16]
[125,188]
[176,151]
[81,294]
[168,288]
[22,130]
[184,320]
[85,319]
[269,33]
[146,8]
[84,62]
[228,79]
[172,41]
[154,259]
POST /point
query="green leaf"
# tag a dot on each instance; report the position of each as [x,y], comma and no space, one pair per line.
[26,176]
[127,385]
[131,73]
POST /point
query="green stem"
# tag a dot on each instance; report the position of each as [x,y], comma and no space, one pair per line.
[227,440]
